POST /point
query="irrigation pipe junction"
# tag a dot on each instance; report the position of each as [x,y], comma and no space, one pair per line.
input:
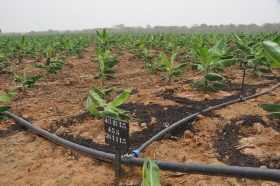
[132,159]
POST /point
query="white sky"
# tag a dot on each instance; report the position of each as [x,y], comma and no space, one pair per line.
[43,15]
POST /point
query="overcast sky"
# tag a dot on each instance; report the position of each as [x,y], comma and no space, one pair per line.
[43,15]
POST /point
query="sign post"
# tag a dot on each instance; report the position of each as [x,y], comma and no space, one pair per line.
[117,135]
[242,88]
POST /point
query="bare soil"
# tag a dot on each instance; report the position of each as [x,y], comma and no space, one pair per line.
[240,134]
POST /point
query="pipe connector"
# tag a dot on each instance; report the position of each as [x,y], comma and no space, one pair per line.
[136,153]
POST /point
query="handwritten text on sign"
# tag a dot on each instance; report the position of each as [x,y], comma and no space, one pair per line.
[117,133]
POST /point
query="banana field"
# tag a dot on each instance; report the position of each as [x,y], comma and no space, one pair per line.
[202,99]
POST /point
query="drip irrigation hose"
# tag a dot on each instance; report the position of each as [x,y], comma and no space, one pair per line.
[137,152]
[214,170]
[161,133]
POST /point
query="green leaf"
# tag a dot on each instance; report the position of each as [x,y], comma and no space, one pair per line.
[153,172]
[198,67]
[98,76]
[17,77]
[181,65]
[228,62]
[198,84]
[110,63]
[213,77]
[120,99]
[48,61]
[39,65]
[272,51]
[108,77]
[226,57]
[219,84]
[277,40]
[97,100]
[256,74]
[275,115]
[100,53]
[7,97]
[245,49]
[144,173]
[97,91]
[123,117]
[109,72]
[35,78]
[49,52]
[91,108]
[2,118]
[204,55]
[238,39]
[270,107]
[165,61]
[105,35]
[265,70]
[4,108]
[110,112]
[227,51]
[176,73]
[101,65]
[145,182]
[174,54]
[108,91]
[22,41]
[215,52]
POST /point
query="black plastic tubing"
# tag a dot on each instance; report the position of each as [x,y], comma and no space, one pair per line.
[214,170]
[171,127]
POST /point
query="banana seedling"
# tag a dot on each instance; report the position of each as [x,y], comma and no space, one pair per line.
[106,63]
[211,61]
[170,67]
[4,108]
[107,109]
[272,53]
[2,59]
[156,67]
[103,40]
[50,66]
[25,81]
[150,174]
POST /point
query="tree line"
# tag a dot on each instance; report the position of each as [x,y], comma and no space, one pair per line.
[194,29]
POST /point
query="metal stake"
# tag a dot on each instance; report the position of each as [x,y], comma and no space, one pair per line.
[242,89]
[117,163]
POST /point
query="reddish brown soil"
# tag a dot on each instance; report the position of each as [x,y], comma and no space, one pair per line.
[58,105]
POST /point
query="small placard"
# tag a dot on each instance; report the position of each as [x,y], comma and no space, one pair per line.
[117,133]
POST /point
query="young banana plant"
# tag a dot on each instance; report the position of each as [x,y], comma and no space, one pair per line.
[272,53]
[170,67]
[150,174]
[4,108]
[210,61]
[106,63]
[103,40]
[50,66]
[2,59]
[108,109]
[28,82]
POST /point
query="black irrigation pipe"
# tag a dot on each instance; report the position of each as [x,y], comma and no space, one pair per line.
[214,170]
[137,152]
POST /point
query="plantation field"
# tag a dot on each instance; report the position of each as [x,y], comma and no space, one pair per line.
[240,134]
